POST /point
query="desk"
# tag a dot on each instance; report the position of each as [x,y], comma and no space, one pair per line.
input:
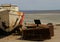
[38,33]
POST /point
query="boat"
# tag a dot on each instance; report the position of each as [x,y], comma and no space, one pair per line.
[10,17]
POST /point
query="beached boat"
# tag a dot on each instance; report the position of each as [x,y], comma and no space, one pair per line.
[10,17]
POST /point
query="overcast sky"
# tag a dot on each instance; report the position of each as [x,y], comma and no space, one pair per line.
[34,4]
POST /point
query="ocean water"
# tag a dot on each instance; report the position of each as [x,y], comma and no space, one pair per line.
[44,18]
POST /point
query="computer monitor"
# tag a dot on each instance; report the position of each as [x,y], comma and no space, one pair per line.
[37,21]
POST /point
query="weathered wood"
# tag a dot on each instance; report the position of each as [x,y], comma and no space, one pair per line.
[36,33]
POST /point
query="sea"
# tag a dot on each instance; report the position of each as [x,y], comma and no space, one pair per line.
[44,16]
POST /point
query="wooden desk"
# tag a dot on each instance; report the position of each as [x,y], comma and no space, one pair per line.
[42,26]
[38,33]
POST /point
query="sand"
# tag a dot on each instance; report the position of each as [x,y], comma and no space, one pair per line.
[16,38]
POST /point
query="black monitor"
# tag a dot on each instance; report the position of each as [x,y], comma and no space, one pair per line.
[37,21]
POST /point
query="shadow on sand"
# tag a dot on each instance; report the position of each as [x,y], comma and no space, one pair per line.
[30,39]
[3,34]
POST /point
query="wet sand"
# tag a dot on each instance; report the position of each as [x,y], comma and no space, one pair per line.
[16,38]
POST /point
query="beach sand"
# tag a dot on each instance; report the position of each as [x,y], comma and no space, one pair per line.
[16,38]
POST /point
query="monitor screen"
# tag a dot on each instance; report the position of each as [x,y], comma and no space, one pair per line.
[37,21]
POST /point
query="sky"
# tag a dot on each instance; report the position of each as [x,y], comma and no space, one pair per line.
[34,4]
